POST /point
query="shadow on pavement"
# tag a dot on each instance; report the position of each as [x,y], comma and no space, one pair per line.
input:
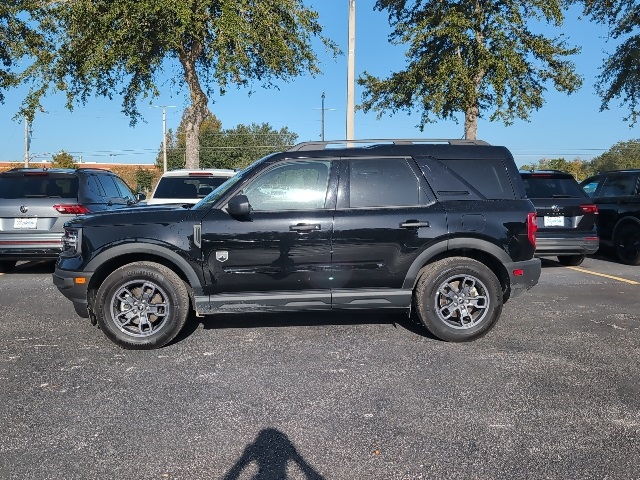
[298,319]
[271,453]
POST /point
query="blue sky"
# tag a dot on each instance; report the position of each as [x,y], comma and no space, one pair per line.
[567,126]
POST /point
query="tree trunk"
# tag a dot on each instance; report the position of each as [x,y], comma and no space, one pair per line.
[198,111]
[471,123]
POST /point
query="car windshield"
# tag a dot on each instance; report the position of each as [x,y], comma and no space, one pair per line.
[38,185]
[238,178]
[550,186]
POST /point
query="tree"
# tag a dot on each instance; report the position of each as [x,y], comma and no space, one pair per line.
[124,47]
[577,167]
[63,159]
[471,57]
[18,40]
[144,179]
[621,156]
[620,77]
[231,148]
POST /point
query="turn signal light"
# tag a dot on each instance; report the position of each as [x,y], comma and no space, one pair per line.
[73,209]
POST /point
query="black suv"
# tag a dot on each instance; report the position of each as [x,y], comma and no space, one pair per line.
[617,194]
[35,203]
[567,217]
[444,228]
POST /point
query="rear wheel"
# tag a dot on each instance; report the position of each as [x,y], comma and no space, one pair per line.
[142,305]
[628,244]
[571,260]
[7,265]
[458,299]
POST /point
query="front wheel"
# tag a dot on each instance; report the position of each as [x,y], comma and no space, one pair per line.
[628,244]
[142,305]
[458,299]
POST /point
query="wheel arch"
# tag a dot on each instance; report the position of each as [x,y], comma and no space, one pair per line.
[113,258]
[485,252]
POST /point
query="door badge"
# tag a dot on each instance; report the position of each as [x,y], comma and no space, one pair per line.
[222,256]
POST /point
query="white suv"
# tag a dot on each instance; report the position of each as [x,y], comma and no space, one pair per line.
[188,186]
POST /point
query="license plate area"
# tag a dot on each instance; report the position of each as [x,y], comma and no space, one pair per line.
[25,223]
[554,221]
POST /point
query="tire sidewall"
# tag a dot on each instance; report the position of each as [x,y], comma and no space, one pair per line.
[622,232]
[432,282]
[173,324]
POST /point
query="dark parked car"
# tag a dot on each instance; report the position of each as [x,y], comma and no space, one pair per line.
[567,217]
[617,194]
[443,229]
[35,203]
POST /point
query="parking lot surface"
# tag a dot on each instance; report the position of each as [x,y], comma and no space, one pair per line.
[551,392]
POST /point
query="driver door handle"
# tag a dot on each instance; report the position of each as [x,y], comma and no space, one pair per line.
[305,227]
[414,224]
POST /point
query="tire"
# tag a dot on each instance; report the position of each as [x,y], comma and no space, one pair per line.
[442,289]
[139,320]
[571,260]
[7,265]
[627,244]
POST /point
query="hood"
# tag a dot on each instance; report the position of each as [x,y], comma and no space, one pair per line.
[136,215]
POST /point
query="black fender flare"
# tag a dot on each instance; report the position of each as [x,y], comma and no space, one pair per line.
[452,244]
[147,248]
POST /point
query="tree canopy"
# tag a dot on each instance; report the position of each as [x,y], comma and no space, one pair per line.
[63,159]
[620,75]
[622,155]
[129,47]
[473,58]
[230,148]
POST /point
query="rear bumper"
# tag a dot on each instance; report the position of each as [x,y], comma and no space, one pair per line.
[523,275]
[30,247]
[552,246]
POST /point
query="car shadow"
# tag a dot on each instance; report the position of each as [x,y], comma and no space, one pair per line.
[32,268]
[223,321]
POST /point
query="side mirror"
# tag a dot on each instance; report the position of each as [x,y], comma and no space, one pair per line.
[140,196]
[239,206]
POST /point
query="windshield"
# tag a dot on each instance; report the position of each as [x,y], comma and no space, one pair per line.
[32,185]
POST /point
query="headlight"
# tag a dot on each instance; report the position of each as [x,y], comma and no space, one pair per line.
[71,242]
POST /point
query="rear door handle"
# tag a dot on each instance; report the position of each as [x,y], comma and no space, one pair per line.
[305,227]
[414,224]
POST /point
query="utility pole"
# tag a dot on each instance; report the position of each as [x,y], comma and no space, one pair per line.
[27,142]
[351,70]
[164,134]
[322,117]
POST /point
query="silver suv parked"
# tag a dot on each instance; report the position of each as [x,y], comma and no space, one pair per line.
[35,203]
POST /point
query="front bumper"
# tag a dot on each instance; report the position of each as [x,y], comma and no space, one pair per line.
[523,275]
[73,285]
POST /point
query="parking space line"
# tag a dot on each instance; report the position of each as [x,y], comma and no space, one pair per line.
[619,279]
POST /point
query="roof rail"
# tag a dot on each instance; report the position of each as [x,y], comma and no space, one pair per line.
[321,145]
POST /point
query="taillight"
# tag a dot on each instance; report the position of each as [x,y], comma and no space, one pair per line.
[72,209]
[532,228]
[589,208]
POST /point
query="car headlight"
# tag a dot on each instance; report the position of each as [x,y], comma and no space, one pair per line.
[71,241]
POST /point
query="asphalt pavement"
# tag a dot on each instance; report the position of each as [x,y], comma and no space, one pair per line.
[552,392]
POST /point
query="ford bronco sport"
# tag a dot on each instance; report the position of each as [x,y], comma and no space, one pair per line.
[442,228]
